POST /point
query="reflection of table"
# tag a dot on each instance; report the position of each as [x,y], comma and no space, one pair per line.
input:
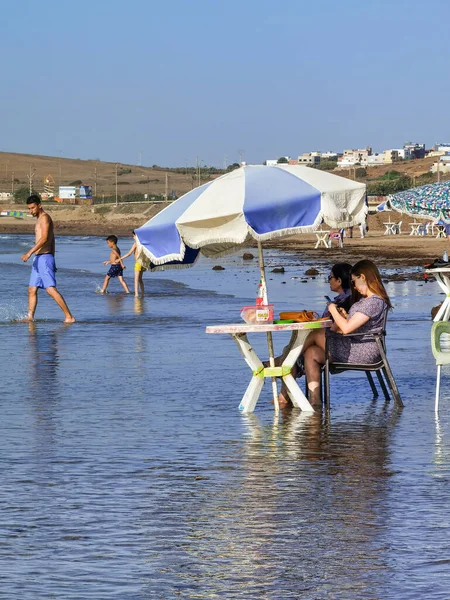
[391,228]
[443,279]
[322,238]
[300,332]
[415,228]
[442,231]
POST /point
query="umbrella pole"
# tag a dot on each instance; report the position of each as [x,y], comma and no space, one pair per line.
[269,333]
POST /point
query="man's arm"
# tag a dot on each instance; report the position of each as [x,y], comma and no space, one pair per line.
[43,238]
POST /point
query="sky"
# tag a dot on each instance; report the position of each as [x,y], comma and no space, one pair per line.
[171,81]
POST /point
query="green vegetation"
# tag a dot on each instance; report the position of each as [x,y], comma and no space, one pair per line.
[22,193]
[326,165]
[123,171]
[282,160]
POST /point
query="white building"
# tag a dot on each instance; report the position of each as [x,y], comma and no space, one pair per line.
[445,148]
[309,158]
[375,160]
[354,157]
[329,155]
[271,162]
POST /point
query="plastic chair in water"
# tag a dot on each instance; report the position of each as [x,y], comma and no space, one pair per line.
[442,356]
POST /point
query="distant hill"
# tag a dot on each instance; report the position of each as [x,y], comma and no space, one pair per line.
[131,179]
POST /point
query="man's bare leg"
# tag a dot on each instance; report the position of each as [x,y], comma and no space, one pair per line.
[57,297]
[32,302]
[124,285]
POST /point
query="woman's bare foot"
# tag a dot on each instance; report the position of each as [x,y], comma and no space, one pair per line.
[284,399]
[69,320]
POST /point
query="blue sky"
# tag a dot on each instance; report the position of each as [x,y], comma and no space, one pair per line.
[179,79]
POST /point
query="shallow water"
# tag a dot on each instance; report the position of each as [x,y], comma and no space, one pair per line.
[128,472]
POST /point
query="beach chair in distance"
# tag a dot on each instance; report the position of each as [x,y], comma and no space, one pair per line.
[441,356]
[337,236]
[381,368]
[398,228]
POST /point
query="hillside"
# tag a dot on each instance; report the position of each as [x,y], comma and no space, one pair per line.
[131,178]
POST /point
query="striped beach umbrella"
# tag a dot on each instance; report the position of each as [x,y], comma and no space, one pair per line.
[251,203]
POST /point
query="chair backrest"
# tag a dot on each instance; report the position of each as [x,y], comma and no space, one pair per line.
[441,355]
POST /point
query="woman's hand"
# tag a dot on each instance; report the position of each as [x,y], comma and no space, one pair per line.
[342,312]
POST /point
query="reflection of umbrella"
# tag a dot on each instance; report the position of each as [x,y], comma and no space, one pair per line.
[430,201]
[251,203]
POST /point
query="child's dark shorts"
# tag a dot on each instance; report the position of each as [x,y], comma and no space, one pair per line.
[115,271]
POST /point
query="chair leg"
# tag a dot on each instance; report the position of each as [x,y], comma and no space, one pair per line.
[371,383]
[390,379]
[383,386]
[306,388]
[438,386]
[326,381]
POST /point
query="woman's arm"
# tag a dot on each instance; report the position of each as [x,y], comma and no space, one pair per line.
[129,253]
[354,322]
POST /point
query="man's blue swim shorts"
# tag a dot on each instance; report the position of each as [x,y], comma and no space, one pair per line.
[43,271]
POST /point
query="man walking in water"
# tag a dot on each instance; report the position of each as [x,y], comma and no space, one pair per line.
[43,269]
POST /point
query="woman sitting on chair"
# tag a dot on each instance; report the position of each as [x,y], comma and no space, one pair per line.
[366,315]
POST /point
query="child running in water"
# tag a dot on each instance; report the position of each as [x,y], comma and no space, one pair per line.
[116,269]
[138,267]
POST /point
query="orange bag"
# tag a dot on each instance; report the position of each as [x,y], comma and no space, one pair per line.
[302,316]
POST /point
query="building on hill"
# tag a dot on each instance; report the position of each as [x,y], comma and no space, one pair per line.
[309,159]
[416,150]
[375,160]
[390,156]
[354,157]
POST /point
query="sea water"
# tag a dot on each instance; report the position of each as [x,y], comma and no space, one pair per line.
[127,470]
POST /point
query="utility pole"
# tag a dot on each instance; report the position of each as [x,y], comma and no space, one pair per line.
[116,183]
[439,169]
[198,172]
[95,181]
[12,182]
[30,176]
[166,193]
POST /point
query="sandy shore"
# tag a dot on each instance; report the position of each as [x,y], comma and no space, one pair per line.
[387,251]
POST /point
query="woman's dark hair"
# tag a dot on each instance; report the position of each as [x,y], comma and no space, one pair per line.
[342,271]
[373,278]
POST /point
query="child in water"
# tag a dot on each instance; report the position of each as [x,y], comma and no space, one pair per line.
[138,267]
[116,269]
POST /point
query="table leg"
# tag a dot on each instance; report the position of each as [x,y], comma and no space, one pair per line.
[295,348]
[250,398]
[444,283]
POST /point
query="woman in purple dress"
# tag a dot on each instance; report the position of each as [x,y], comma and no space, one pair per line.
[366,315]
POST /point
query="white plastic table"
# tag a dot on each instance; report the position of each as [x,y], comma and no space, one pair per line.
[322,238]
[300,332]
[415,228]
[443,279]
[391,228]
[442,232]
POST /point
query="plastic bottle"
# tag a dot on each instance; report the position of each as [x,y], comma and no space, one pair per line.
[445,256]
[260,294]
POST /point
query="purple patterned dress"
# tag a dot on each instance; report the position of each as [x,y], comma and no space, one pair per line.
[359,349]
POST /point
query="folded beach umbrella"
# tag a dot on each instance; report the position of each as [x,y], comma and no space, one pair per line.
[251,203]
[430,201]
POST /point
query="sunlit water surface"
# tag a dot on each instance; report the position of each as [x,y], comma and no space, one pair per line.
[128,472]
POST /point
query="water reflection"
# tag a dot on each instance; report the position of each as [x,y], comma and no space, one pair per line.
[300,507]
[115,303]
[139,305]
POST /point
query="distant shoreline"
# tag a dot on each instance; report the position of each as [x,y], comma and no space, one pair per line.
[388,252]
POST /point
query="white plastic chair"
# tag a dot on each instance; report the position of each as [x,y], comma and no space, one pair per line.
[398,227]
[441,355]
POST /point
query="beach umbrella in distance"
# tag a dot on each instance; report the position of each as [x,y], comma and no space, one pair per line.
[253,203]
[431,201]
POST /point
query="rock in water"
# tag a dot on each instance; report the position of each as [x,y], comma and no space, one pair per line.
[278,270]
[312,271]
[248,256]
[218,268]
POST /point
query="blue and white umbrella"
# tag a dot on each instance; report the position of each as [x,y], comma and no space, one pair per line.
[251,203]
